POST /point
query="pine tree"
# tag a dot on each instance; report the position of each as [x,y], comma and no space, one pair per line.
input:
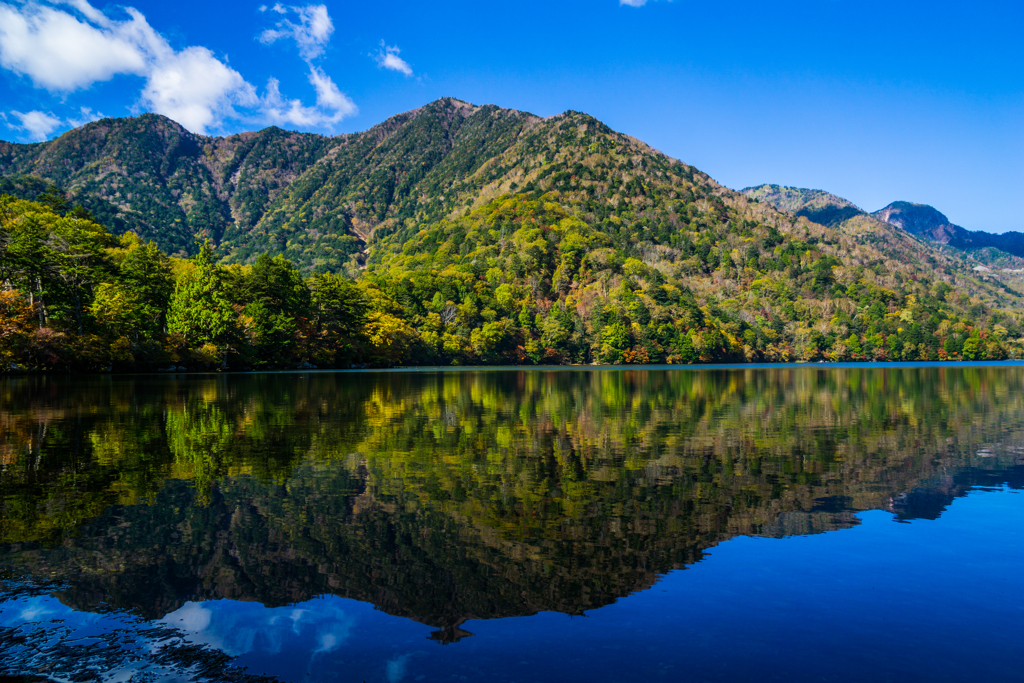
[200,309]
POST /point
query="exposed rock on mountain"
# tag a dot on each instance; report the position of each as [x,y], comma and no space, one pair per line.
[817,206]
[928,222]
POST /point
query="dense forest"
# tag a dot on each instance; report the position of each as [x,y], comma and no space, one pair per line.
[451,235]
[519,281]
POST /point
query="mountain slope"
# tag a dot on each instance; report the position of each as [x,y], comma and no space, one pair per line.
[168,184]
[409,169]
[487,235]
[903,231]
[816,206]
[928,222]
[314,198]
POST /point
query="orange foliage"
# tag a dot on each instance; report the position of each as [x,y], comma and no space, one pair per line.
[17,325]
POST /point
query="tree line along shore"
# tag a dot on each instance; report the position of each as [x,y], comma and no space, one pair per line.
[519,281]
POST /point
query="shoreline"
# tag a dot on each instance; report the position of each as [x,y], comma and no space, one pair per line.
[865,365]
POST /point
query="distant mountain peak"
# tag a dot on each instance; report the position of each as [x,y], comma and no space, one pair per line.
[930,223]
[917,219]
[817,206]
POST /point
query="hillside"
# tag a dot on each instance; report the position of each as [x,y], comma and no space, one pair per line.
[918,228]
[816,206]
[928,222]
[167,184]
[1003,252]
[478,235]
[315,199]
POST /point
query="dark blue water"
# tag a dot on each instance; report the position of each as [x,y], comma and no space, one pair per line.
[819,530]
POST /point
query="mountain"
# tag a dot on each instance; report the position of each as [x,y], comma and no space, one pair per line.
[816,206]
[920,220]
[315,198]
[984,254]
[928,222]
[488,235]
[166,183]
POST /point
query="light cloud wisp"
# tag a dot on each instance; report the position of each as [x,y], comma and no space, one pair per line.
[38,125]
[388,58]
[311,33]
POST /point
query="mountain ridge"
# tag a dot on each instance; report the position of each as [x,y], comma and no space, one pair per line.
[928,222]
[477,234]
[920,220]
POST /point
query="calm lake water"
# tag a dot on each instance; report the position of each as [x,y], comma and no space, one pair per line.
[813,523]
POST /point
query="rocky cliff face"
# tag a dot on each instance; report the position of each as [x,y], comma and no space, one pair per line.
[929,223]
[919,219]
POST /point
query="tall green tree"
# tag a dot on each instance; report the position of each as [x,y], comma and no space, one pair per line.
[200,308]
[339,310]
[276,309]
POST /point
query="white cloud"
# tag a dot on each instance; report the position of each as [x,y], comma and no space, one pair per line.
[388,58]
[68,45]
[237,628]
[37,124]
[61,53]
[311,33]
[633,3]
[196,89]
[332,105]
[395,668]
[327,94]
[87,115]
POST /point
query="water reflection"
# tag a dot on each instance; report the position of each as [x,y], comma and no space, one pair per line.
[444,497]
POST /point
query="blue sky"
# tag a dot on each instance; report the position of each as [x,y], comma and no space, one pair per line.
[875,101]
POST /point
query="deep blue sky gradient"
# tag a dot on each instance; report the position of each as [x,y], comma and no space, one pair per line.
[874,101]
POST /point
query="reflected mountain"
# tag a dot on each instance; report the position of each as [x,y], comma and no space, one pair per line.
[448,496]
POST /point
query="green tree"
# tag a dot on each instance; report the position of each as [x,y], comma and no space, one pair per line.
[973,349]
[614,341]
[144,277]
[339,311]
[200,307]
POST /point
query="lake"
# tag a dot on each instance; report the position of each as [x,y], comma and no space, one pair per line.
[797,523]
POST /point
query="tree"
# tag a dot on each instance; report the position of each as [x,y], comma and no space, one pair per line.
[146,272]
[277,284]
[684,345]
[339,312]
[614,341]
[16,328]
[117,308]
[973,349]
[488,341]
[77,260]
[200,308]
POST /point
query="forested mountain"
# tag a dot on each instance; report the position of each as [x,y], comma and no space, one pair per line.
[928,222]
[816,206]
[315,199]
[1004,251]
[477,235]
[165,183]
